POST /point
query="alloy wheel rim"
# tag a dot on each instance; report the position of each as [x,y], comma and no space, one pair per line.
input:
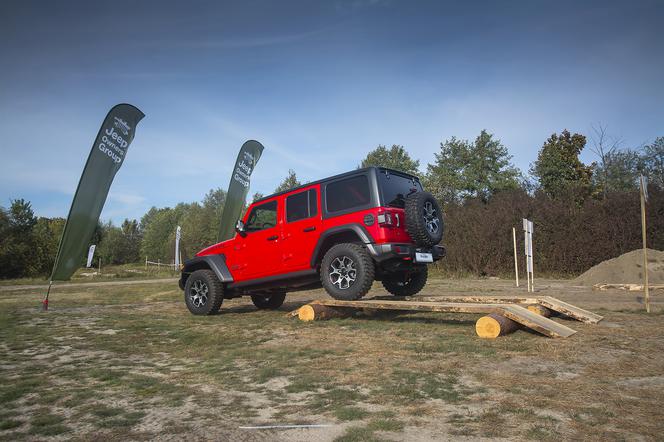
[198,293]
[342,272]
[431,217]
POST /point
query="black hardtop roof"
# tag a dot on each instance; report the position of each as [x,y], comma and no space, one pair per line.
[334,177]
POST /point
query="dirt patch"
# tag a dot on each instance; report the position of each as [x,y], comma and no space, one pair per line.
[626,269]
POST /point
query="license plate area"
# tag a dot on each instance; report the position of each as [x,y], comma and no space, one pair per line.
[423,257]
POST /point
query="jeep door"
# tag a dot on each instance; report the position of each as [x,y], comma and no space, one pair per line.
[301,229]
[257,253]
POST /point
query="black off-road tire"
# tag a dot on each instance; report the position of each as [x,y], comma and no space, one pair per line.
[422,213]
[406,284]
[359,267]
[268,302]
[203,293]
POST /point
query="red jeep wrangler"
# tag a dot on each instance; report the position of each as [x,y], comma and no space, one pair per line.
[341,233]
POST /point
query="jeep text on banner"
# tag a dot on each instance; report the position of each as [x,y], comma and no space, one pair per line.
[250,153]
[107,155]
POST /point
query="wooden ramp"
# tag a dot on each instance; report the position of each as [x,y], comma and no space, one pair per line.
[549,302]
[514,312]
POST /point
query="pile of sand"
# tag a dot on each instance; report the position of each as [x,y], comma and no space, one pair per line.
[626,269]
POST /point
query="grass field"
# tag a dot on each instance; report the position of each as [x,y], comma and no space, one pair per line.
[130,362]
[124,272]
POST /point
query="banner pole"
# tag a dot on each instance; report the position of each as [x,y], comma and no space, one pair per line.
[45,301]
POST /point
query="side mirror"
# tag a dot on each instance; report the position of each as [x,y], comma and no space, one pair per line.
[239,228]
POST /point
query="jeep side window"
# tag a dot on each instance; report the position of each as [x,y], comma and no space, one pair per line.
[262,217]
[301,206]
[347,194]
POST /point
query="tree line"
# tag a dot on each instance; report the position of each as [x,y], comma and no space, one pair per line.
[583,213]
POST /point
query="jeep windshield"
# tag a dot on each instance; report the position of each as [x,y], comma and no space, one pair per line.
[395,188]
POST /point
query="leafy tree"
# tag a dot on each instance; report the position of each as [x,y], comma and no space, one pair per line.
[618,171]
[18,251]
[559,169]
[47,233]
[21,216]
[121,245]
[256,197]
[159,232]
[471,170]
[653,159]
[290,182]
[214,202]
[396,157]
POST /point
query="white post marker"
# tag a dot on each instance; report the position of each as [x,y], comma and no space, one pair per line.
[91,253]
[528,235]
[516,260]
[177,247]
[530,256]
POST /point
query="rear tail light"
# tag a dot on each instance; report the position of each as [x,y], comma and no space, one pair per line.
[388,219]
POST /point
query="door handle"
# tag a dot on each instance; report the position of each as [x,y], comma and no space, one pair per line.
[309,229]
[272,238]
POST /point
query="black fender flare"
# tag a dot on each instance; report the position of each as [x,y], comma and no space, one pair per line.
[355,228]
[216,263]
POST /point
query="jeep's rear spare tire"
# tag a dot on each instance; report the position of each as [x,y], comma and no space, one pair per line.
[347,271]
[203,293]
[268,302]
[424,219]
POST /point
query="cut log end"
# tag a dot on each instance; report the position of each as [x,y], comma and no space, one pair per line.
[540,310]
[494,325]
[316,312]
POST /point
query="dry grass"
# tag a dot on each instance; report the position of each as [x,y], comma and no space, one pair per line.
[129,362]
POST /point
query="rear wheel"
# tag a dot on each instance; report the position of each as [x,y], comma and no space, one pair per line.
[347,271]
[268,302]
[203,293]
[406,283]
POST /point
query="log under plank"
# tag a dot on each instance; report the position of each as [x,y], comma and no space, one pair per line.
[318,312]
[540,310]
[494,325]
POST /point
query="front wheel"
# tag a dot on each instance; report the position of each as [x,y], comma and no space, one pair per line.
[268,302]
[347,271]
[203,293]
[406,283]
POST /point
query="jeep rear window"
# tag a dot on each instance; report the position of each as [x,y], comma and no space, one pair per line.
[301,205]
[262,217]
[347,194]
[395,188]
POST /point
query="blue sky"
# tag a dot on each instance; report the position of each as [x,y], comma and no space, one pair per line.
[318,83]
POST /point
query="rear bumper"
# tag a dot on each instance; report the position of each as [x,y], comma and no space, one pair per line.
[383,252]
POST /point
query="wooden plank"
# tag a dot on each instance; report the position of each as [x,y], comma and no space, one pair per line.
[549,302]
[441,307]
[499,299]
[629,287]
[516,313]
[570,310]
[536,322]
